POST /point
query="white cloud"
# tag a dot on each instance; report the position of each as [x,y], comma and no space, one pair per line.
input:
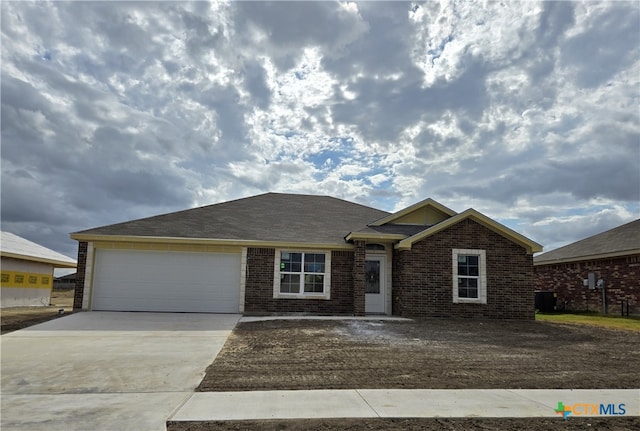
[526,111]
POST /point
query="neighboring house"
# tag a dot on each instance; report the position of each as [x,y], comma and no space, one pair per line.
[285,253]
[613,256]
[27,271]
[65,282]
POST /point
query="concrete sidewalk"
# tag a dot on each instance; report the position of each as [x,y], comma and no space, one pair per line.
[406,403]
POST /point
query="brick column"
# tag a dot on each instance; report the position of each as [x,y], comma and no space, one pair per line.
[358,278]
[82,263]
[258,287]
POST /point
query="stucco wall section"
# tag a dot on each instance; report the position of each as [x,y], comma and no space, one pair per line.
[11,264]
[27,294]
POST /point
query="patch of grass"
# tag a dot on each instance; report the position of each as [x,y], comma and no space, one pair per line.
[631,323]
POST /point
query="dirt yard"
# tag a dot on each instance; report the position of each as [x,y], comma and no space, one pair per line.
[434,354]
[12,319]
[436,424]
[439,353]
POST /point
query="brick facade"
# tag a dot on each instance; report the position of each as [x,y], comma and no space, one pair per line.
[78,294]
[621,276]
[358,267]
[259,287]
[422,279]
[423,276]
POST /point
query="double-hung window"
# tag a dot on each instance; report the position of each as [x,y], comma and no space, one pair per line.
[469,276]
[302,274]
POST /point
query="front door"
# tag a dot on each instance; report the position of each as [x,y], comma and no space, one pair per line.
[374,285]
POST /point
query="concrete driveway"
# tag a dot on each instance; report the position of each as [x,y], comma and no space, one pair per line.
[106,370]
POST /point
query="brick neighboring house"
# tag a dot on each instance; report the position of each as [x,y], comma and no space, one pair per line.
[613,256]
[285,253]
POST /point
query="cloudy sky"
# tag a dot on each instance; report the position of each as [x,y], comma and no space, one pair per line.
[526,111]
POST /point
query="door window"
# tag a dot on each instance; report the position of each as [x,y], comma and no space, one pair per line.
[372,278]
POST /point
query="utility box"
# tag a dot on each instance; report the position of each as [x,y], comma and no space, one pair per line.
[545,301]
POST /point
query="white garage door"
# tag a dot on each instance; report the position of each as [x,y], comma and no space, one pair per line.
[127,280]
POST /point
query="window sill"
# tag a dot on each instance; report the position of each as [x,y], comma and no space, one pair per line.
[468,301]
[324,296]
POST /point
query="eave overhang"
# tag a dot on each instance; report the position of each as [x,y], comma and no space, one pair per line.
[209,241]
[611,255]
[374,236]
[56,263]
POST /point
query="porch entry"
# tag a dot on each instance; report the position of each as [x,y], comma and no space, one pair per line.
[374,286]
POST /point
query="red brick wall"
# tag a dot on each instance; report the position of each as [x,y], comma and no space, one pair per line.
[82,264]
[423,276]
[259,286]
[358,268]
[622,282]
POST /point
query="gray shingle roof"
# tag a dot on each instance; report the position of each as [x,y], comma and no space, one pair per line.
[621,240]
[268,217]
[400,229]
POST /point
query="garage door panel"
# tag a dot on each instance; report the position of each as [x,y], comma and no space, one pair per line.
[127,280]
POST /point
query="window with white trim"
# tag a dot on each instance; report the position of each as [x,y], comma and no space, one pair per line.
[469,276]
[302,274]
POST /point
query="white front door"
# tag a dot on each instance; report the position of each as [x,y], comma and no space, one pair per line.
[374,285]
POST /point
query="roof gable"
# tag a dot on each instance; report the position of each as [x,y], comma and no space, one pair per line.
[529,245]
[427,212]
[620,241]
